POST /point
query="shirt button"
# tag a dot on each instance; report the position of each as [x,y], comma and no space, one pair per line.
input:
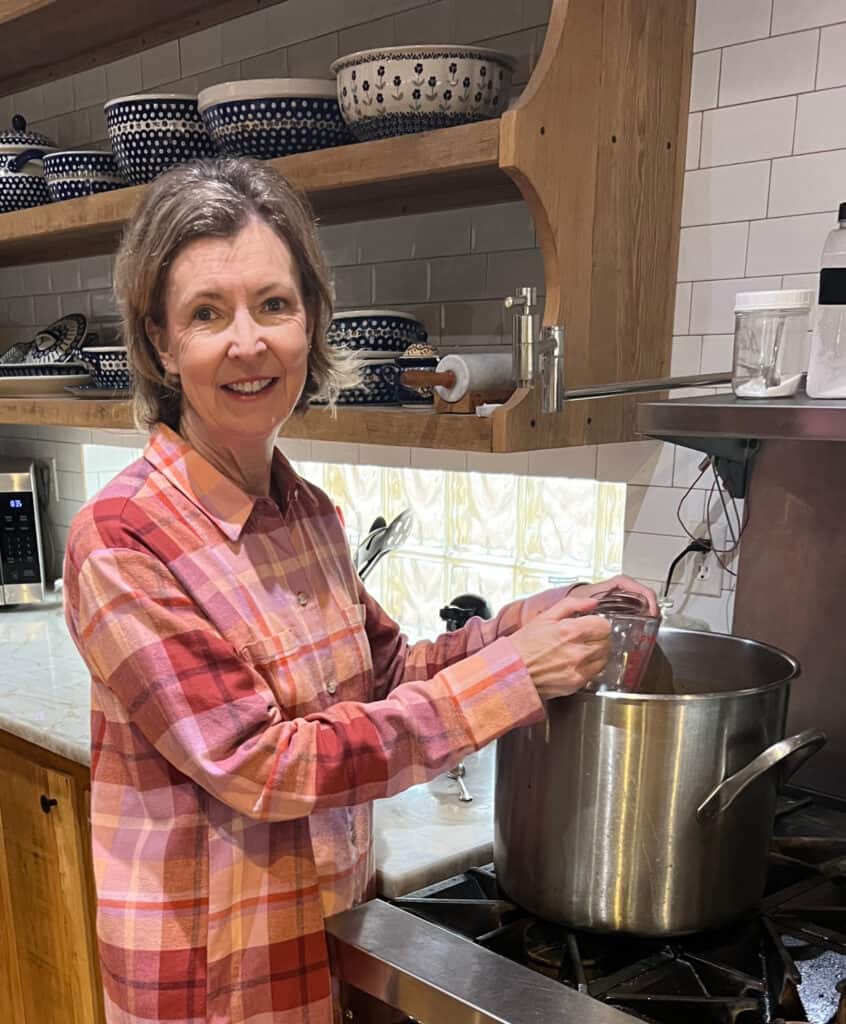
[302,598]
[331,688]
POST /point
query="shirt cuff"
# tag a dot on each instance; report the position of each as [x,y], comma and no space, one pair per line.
[493,692]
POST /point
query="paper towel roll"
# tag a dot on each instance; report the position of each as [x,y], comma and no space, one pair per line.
[479,372]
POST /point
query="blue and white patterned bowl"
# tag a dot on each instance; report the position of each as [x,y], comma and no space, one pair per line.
[381,330]
[270,117]
[108,365]
[398,90]
[151,133]
[378,384]
[72,173]
[417,357]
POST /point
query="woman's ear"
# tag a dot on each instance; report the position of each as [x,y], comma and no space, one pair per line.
[156,336]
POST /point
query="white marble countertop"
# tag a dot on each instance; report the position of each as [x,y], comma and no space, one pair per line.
[422,836]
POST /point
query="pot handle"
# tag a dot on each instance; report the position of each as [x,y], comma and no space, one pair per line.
[20,161]
[788,755]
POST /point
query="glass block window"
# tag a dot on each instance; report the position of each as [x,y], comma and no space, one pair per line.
[496,535]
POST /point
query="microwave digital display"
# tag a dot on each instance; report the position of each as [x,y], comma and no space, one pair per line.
[16,503]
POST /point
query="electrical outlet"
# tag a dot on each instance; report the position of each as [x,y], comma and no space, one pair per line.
[707,575]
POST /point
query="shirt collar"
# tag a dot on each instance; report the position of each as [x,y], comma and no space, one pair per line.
[222,500]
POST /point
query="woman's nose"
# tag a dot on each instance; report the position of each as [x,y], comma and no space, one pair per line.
[246,337]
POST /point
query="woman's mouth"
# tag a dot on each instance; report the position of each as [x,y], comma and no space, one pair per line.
[250,388]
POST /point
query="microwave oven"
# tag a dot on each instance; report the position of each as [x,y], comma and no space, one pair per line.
[23,565]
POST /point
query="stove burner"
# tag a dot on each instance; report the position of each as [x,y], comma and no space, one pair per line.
[787,965]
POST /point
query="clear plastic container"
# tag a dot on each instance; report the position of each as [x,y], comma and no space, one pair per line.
[770,342]
[633,634]
[827,369]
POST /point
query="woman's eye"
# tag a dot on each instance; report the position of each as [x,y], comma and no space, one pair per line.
[204,314]
[274,305]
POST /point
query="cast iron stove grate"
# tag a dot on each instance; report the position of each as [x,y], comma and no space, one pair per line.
[787,964]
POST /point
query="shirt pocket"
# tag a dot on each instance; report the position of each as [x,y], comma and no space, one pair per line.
[322,658]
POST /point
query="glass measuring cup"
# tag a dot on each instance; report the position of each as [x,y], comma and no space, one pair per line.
[634,630]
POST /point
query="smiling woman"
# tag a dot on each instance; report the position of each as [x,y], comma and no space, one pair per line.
[249,697]
[222,211]
[236,333]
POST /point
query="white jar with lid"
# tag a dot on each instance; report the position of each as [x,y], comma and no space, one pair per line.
[770,342]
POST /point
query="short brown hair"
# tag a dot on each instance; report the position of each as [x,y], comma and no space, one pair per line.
[216,198]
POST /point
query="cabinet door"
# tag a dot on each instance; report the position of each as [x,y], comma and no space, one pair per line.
[50,910]
[11,996]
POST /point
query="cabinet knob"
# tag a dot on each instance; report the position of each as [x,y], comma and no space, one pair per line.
[47,803]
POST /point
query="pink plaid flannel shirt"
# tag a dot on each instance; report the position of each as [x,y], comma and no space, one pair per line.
[249,700]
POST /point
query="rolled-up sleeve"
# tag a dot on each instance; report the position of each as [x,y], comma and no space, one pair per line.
[396,662]
[212,716]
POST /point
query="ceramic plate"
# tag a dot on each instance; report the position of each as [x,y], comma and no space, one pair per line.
[92,391]
[32,387]
[58,342]
[42,369]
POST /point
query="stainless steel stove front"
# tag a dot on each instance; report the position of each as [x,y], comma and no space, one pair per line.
[396,967]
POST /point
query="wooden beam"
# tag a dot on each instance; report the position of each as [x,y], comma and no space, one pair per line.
[429,171]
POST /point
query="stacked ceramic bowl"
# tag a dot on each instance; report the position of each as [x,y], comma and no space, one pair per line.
[367,331]
[151,133]
[376,337]
[108,366]
[402,89]
[74,173]
[270,117]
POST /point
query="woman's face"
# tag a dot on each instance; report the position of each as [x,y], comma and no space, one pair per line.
[236,332]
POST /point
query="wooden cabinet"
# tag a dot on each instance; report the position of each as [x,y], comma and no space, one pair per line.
[46,932]
[11,995]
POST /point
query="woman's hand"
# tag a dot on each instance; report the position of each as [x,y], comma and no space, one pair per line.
[618,583]
[564,647]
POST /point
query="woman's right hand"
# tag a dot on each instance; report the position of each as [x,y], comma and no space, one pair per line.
[562,652]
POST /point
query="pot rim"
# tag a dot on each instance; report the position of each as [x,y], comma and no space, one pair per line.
[622,695]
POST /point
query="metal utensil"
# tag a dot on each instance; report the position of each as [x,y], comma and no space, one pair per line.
[457,775]
[385,540]
[362,552]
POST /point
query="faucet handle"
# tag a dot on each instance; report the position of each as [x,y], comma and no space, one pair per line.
[526,297]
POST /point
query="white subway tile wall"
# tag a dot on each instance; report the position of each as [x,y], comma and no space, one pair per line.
[766,148]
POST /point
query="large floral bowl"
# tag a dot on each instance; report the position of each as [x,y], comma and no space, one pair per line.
[402,89]
[151,133]
[74,173]
[270,117]
[382,330]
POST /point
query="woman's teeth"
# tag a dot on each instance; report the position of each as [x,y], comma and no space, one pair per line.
[250,387]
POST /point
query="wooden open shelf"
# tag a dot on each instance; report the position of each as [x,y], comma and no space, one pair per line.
[595,145]
[431,171]
[44,40]
[516,427]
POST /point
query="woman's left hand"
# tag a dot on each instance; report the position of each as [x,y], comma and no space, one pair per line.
[619,583]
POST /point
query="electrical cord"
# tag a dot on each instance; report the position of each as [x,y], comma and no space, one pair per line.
[699,545]
[735,530]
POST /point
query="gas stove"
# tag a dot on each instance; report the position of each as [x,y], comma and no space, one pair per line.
[460,952]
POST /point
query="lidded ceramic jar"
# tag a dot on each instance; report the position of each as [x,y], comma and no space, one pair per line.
[22,182]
